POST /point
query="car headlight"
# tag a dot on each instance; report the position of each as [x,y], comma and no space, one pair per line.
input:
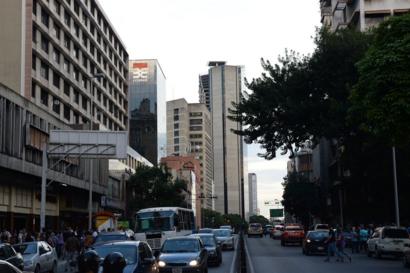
[193,263]
[161,264]
[308,240]
[28,263]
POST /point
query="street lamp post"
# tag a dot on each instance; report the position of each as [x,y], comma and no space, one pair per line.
[396,193]
[90,190]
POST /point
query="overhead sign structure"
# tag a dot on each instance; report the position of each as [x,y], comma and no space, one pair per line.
[88,144]
[275,213]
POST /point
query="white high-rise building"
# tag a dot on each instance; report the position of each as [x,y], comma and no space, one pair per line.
[225,87]
[253,194]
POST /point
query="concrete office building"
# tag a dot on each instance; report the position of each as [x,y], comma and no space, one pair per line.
[360,14]
[51,53]
[225,87]
[189,132]
[147,109]
[253,194]
[204,92]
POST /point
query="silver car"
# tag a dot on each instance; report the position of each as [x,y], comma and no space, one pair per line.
[38,256]
[224,238]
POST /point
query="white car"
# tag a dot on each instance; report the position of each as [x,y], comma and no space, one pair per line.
[321,227]
[387,240]
[38,256]
[277,232]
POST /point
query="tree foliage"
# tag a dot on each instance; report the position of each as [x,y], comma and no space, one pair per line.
[302,97]
[301,197]
[381,98]
[154,187]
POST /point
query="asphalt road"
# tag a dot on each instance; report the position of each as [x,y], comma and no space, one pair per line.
[268,256]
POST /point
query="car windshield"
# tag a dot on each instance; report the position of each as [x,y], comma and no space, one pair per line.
[208,240]
[110,237]
[318,235]
[396,233]
[222,233]
[295,228]
[322,227]
[128,251]
[26,249]
[180,245]
[154,221]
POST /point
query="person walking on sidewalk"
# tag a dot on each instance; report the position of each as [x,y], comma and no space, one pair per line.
[331,244]
[340,245]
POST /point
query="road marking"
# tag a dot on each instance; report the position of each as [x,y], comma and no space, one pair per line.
[248,257]
[234,257]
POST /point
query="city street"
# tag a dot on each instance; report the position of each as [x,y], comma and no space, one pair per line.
[225,267]
[268,254]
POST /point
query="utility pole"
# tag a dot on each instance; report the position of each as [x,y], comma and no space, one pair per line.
[396,192]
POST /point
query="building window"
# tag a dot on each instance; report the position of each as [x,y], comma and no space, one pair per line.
[85,62]
[57,6]
[98,95]
[176,133]
[76,74]
[76,96]
[77,30]
[76,118]
[33,61]
[176,140]
[56,105]
[67,19]
[76,52]
[66,88]
[84,81]
[176,118]
[44,17]
[66,65]
[44,97]
[33,89]
[84,102]
[56,79]
[56,55]
[195,121]
[67,112]
[44,70]
[176,148]
[34,35]
[66,41]
[56,31]
[35,7]
[44,44]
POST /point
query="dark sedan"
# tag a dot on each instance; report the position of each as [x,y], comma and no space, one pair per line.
[138,255]
[315,242]
[8,254]
[183,254]
[211,245]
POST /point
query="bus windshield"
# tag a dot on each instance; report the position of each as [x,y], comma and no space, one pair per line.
[154,221]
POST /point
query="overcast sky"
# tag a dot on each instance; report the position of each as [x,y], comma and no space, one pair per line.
[185,34]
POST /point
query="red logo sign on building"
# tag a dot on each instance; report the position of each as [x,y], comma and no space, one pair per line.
[140,72]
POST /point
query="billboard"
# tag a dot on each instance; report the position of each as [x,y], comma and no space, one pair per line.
[88,144]
[275,213]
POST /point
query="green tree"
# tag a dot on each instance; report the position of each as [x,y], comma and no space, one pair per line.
[154,187]
[212,219]
[381,98]
[235,221]
[301,197]
[259,219]
[302,97]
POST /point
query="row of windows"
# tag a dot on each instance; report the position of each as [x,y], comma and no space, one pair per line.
[80,55]
[81,78]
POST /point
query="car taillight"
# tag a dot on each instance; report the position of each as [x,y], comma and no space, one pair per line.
[285,233]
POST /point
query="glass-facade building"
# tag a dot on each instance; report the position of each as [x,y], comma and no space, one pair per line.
[147,116]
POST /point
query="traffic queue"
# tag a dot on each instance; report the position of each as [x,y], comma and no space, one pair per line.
[383,241]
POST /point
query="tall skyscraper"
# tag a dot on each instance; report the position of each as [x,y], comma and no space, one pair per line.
[204,95]
[253,194]
[189,132]
[147,133]
[225,87]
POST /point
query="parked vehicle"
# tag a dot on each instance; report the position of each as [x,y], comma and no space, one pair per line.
[212,246]
[255,229]
[183,254]
[6,267]
[227,227]
[138,255]
[38,256]
[277,232]
[8,254]
[105,237]
[225,238]
[315,242]
[387,240]
[292,234]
